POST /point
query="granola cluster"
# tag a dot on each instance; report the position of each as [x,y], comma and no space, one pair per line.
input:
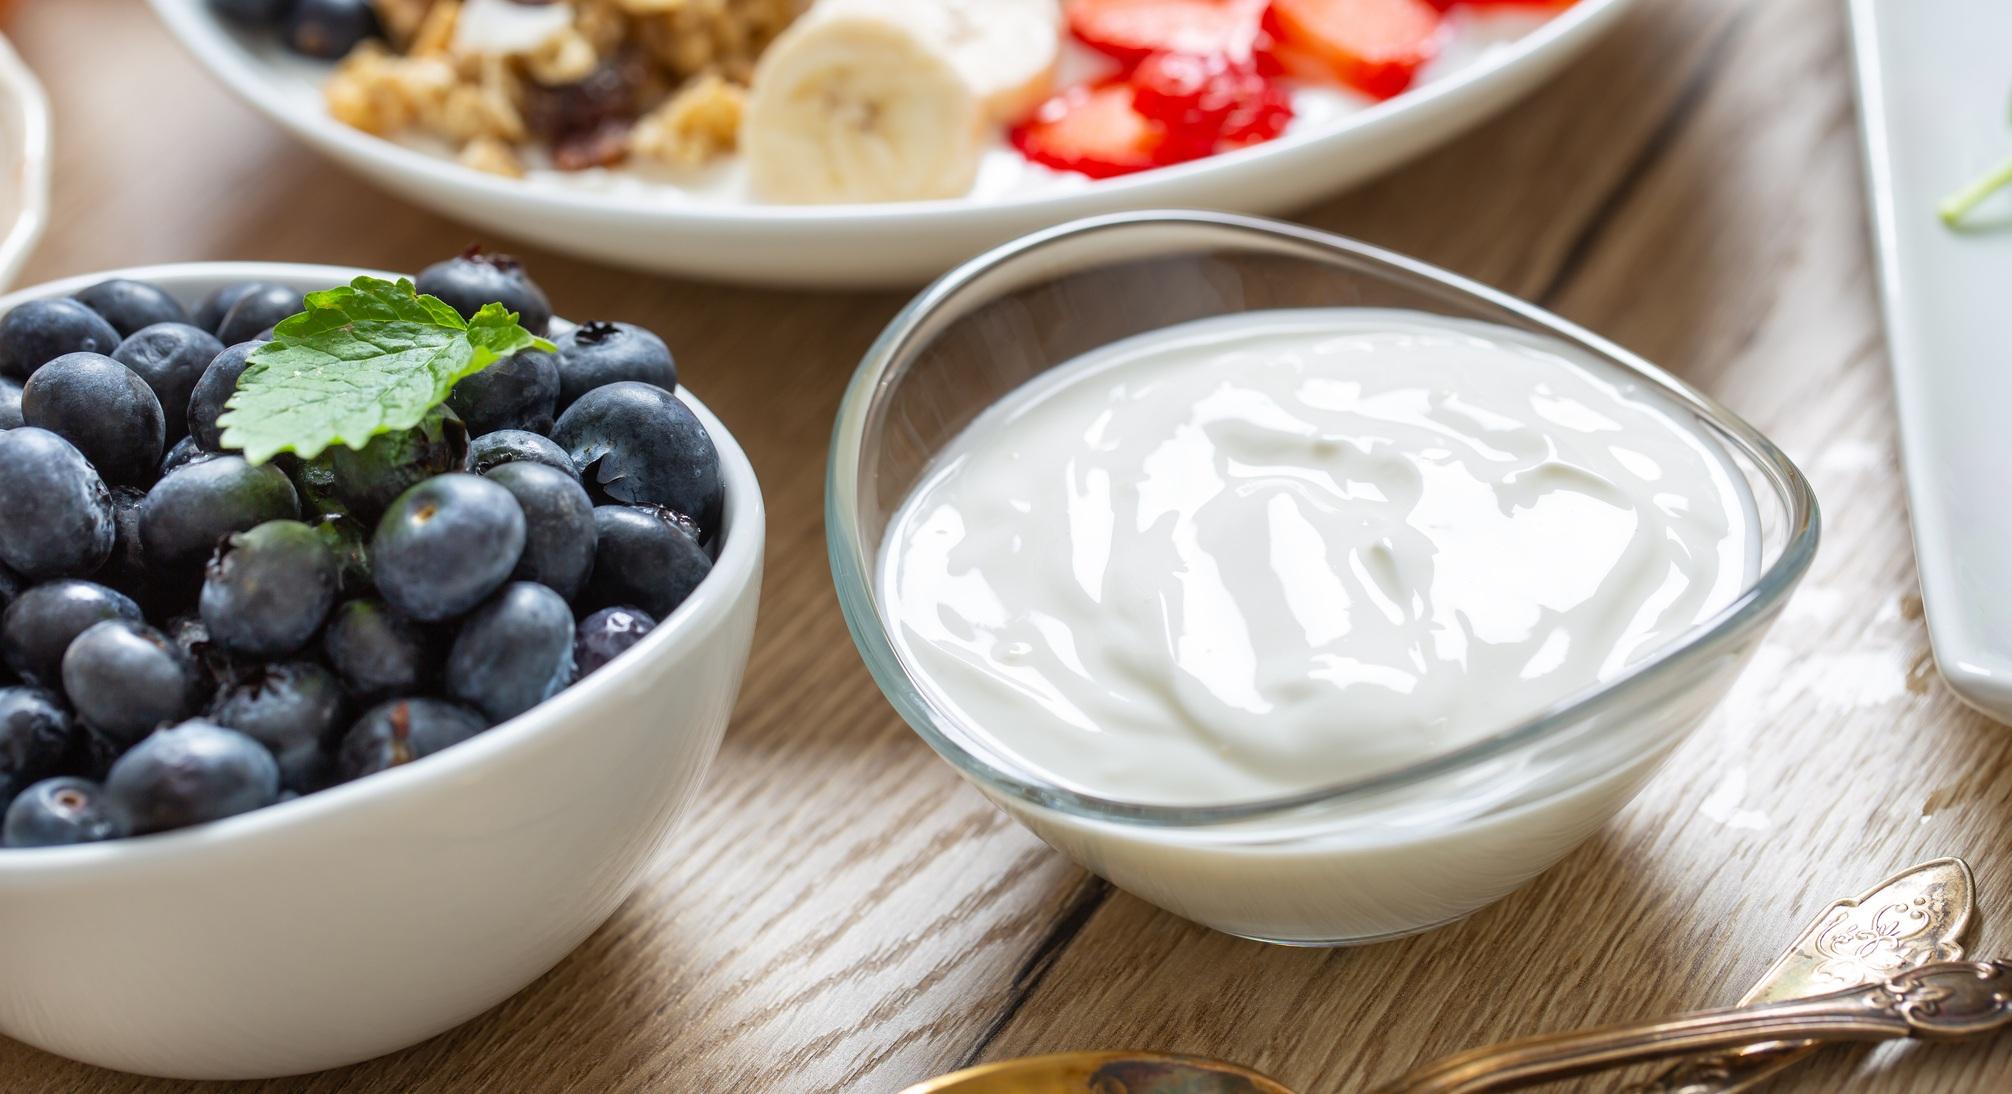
[600,82]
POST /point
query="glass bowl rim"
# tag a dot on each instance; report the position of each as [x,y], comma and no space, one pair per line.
[858,596]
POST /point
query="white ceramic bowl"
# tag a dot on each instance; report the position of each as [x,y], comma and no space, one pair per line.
[24,162]
[373,915]
[663,229]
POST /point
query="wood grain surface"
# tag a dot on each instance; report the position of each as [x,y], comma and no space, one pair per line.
[842,914]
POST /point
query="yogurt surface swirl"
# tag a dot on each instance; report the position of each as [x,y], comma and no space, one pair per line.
[1267,553]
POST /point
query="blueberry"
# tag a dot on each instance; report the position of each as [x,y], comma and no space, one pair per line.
[599,353]
[57,512]
[379,653]
[295,710]
[10,404]
[636,443]
[364,482]
[260,306]
[492,450]
[41,623]
[187,631]
[329,29]
[39,331]
[188,513]
[59,812]
[129,305]
[171,358]
[126,678]
[91,754]
[644,558]
[218,384]
[103,408]
[346,539]
[126,570]
[519,392]
[514,652]
[210,310]
[34,735]
[606,635]
[268,590]
[558,523]
[446,544]
[252,13]
[474,278]
[401,731]
[185,452]
[217,668]
[195,772]
[685,524]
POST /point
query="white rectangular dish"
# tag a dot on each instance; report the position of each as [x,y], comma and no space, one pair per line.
[1934,83]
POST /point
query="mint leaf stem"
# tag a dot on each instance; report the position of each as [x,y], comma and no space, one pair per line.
[1959,204]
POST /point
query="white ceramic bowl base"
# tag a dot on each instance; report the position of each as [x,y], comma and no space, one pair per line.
[371,916]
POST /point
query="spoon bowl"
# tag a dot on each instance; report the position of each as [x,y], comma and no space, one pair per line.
[1103,1073]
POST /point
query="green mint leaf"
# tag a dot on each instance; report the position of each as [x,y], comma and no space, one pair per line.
[371,357]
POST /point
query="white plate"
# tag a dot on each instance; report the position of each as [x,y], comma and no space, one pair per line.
[24,162]
[663,228]
[1934,81]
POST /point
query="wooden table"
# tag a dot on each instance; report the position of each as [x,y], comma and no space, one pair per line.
[841,913]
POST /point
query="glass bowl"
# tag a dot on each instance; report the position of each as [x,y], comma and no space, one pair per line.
[1374,858]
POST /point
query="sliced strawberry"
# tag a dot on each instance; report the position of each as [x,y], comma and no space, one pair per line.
[1276,57]
[1449,5]
[1095,130]
[1130,30]
[1211,98]
[1374,46]
[1189,91]
[1258,118]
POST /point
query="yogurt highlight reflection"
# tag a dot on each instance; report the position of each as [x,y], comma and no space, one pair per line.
[1269,553]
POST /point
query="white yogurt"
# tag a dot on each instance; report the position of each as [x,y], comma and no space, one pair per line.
[1270,553]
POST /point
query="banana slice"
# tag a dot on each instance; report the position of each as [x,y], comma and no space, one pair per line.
[1006,49]
[859,106]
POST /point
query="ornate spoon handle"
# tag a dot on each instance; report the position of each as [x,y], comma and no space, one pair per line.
[1724,1072]
[1947,999]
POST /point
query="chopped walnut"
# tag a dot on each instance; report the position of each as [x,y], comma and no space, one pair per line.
[483,107]
[700,122]
[491,155]
[435,35]
[660,79]
[379,92]
[401,19]
[562,59]
[603,23]
[691,37]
